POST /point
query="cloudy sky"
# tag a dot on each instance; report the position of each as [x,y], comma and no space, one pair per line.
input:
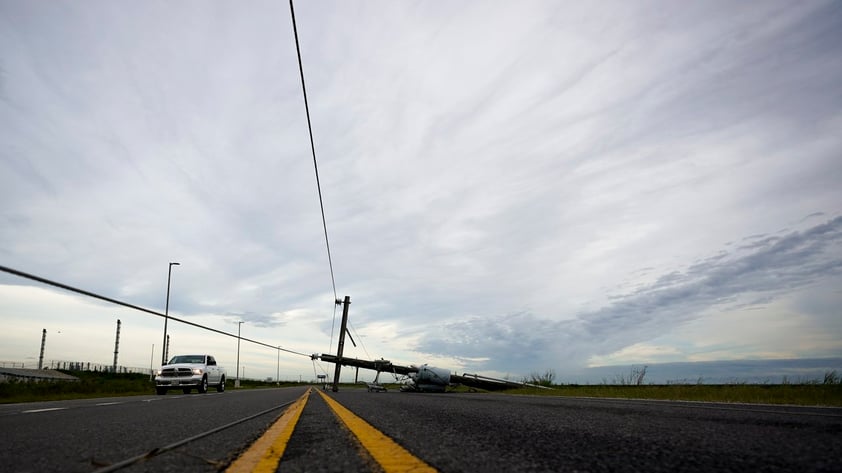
[509,187]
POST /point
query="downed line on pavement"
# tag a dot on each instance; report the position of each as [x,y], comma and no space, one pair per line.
[157,451]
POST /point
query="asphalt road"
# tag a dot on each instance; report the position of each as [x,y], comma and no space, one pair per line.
[86,435]
[450,432]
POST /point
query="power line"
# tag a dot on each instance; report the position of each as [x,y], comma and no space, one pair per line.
[313,148]
[332,327]
[132,306]
[360,339]
[315,164]
[159,450]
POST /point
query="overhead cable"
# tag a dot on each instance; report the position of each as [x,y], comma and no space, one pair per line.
[132,306]
[315,163]
[312,145]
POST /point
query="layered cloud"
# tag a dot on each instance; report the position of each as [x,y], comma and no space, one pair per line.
[506,186]
[758,272]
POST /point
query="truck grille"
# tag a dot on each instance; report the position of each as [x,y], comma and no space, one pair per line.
[176,372]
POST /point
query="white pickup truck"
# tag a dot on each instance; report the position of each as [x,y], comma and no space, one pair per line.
[188,372]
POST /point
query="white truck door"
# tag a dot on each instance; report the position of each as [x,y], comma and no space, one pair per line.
[213,370]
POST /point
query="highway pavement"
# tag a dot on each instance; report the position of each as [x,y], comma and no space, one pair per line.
[304,429]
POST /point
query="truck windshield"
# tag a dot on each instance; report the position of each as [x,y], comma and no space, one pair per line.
[187,359]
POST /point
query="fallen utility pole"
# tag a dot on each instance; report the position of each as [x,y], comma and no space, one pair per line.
[466,379]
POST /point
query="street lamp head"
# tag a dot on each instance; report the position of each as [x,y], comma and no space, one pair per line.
[175,264]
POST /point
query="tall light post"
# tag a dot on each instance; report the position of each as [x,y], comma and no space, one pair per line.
[278,374]
[167,315]
[237,383]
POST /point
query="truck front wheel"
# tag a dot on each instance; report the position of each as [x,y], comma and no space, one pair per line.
[221,386]
[203,387]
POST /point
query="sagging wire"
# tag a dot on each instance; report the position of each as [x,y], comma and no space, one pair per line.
[359,338]
[157,451]
[315,162]
[315,373]
[93,295]
[332,327]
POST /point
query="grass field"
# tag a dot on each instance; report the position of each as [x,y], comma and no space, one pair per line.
[796,394]
[93,384]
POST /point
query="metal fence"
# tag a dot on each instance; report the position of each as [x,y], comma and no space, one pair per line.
[98,367]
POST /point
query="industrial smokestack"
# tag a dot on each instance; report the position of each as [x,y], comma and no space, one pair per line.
[116,347]
[43,342]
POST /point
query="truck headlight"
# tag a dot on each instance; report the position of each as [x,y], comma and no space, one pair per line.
[157,372]
[197,370]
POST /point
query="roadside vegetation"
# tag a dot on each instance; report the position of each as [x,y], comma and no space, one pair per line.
[93,384]
[823,392]
[90,384]
[796,394]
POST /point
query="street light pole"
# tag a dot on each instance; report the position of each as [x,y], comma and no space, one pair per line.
[237,383]
[278,375]
[167,315]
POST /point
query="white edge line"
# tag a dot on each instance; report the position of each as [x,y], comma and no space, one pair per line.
[44,410]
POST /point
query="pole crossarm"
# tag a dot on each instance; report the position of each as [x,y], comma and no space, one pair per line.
[376,365]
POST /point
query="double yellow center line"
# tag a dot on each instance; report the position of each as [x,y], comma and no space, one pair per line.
[265,454]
